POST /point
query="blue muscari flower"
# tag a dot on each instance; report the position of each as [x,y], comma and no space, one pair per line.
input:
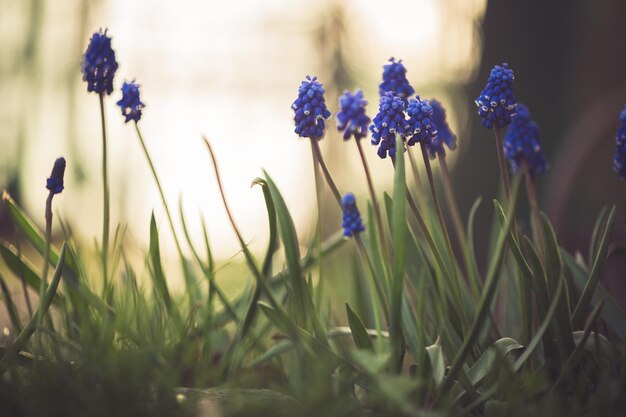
[389,121]
[496,104]
[619,160]
[394,79]
[444,134]
[521,144]
[310,109]
[130,103]
[352,118]
[99,64]
[421,127]
[55,182]
[351,222]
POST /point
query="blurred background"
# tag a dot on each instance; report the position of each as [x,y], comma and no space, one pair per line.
[230,70]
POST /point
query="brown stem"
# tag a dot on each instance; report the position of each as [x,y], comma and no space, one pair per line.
[317,153]
[375,205]
[504,173]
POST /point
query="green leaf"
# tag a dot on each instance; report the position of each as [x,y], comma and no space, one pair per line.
[435,356]
[158,276]
[398,235]
[594,276]
[44,304]
[359,334]
[10,305]
[612,313]
[489,290]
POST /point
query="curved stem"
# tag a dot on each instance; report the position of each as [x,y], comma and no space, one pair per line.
[504,173]
[317,154]
[105,197]
[190,287]
[377,212]
[534,207]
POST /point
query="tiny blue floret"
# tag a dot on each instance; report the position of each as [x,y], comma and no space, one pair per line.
[310,109]
[389,121]
[421,125]
[352,119]
[130,103]
[521,144]
[99,64]
[55,182]
[394,79]
[444,134]
[619,160]
[351,222]
[496,103]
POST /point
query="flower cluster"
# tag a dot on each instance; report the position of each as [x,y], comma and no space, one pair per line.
[444,134]
[496,104]
[352,119]
[99,64]
[394,79]
[351,222]
[55,182]
[521,144]
[130,103]
[421,127]
[389,121]
[310,109]
[619,160]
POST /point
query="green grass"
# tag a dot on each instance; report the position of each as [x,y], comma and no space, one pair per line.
[425,335]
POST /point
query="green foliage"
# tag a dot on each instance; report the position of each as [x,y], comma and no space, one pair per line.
[423,336]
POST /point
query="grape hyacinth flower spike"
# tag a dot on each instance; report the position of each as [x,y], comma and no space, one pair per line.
[352,119]
[420,125]
[619,160]
[521,144]
[55,183]
[130,102]
[444,134]
[496,103]
[389,121]
[351,222]
[394,80]
[310,109]
[99,64]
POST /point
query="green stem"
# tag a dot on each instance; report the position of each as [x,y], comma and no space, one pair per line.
[377,212]
[317,154]
[382,294]
[504,173]
[191,288]
[458,223]
[534,207]
[105,198]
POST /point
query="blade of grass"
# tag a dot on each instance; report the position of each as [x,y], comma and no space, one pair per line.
[44,304]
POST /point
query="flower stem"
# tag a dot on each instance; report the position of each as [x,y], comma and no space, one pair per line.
[433,192]
[377,212]
[504,173]
[105,198]
[317,154]
[534,207]
[191,288]
[458,223]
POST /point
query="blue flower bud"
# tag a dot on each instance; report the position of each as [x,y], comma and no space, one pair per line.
[521,144]
[55,182]
[394,80]
[421,126]
[444,134]
[389,121]
[351,222]
[99,64]
[352,119]
[619,160]
[130,103]
[496,104]
[310,109]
